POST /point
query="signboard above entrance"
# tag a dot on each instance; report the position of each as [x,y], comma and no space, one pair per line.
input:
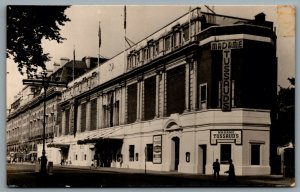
[226,136]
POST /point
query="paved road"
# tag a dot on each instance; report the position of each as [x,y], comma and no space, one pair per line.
[23,175]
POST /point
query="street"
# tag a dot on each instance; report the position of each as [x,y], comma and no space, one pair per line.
[24,176]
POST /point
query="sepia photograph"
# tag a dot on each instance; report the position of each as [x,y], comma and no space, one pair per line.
[150,96]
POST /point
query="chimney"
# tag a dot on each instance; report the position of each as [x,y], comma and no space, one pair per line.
[261,17]
[88,62]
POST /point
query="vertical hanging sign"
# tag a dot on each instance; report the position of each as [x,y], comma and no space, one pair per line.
[226,80]
[226,47]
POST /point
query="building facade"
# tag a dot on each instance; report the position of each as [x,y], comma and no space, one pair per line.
[199,89]
[24,132]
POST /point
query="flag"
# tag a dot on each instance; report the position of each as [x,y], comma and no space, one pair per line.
[99,35]
[124,16]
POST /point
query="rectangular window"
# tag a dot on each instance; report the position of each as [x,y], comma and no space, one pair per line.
[203,96]
[149,153]
[176,90]
[131,152]
[161,45]
[67,121]
[93,114]
[137,58]
[255,154]
[104,121]
[185,35]
[149,97]
[156,50]
[83,117]
[128,63]
[176,39]
[225,153]
[150,52]
[232,93]
[131,103]
[145,54]
[117,111]
[167,43]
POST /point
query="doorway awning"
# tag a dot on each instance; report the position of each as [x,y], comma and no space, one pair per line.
[58,145]
[111,133]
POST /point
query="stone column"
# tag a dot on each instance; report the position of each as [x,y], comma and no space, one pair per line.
[138,102]
[88,114]
[123,114]
[78,119]
[188,84]
[187,87]
[157,94]
[71,117]
[194,86]
[163,95]
[63,122]
[99,111]
[141,99]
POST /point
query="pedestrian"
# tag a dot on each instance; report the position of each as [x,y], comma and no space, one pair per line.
[216,167]
[92,164]
[230,172]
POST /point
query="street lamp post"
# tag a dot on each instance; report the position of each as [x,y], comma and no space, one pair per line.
[45,83]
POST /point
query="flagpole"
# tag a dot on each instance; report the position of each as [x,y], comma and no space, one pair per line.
[99,36]
[125,63]
[190,30]
[73,61]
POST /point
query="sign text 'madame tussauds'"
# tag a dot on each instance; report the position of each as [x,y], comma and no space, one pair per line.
[226,47]
[229,44]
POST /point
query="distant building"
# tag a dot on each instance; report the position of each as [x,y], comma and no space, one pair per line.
[25,118]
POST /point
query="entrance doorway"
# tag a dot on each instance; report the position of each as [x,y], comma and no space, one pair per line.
[175,153]
[107,151]
[202,158]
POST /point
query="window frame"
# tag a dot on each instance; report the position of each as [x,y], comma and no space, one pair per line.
[257,160]
[202,102]
[131,153]
[223,156]
[149,152]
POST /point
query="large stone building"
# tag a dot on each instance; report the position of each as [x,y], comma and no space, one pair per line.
[199,89]
[24,131]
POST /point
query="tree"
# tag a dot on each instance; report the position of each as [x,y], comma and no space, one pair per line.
[286,112]
[26,27]
[283,124]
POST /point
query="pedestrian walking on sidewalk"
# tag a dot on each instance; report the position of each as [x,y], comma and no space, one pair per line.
[216,167]
[231,173]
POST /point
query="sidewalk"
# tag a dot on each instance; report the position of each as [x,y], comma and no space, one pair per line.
[243,181]
[276,180]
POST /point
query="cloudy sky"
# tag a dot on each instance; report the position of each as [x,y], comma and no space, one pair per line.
[82,34]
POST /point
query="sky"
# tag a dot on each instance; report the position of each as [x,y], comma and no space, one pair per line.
[82,34]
